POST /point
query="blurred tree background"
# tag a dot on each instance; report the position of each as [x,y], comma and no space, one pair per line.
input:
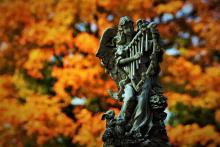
[53,89]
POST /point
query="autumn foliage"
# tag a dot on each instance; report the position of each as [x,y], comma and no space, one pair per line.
[53,89]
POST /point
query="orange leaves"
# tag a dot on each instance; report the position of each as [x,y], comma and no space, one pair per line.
[207,27]
[87,9]
[7,88]
[46,33]
[108,4]
[91,129]
[183,67]
[192,135]
[103,23]
[205,83]
[60,13]
[39,115]
[174,98]
[48,121]
[83,75]
[25,113]
[170,7]
[50,23]
[28,27]
[11,16]
[181,70]
[192,78]
[36,61]
[86,43]
[210,100]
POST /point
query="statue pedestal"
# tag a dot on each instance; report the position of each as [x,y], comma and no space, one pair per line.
[116,135]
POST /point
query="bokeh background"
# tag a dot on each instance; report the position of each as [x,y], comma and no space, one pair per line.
[53,90]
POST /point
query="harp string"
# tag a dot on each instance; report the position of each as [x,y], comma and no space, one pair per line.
[136,51]
[139,48]
[138,45]
[142,43]
[132,62]
[146,42]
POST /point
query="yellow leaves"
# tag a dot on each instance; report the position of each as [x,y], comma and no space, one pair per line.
[11,15]
[7,88]
[35,62]
[82,75]
[91,129]
[28,23]
[170,7]
[87,9]
[79,61]
[182,70]
[39,115]
[47,33]
[135,4]
[207,28]
[174,98]
[22,86]
[209,80]
[86,43]
[183,67]
[52,23]
[108,4]
[40,7]
[103,23]
[213,71]
[191,135]
[206,84]
[49,122]
[209,100]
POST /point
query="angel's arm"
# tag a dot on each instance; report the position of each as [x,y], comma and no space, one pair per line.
[129,59]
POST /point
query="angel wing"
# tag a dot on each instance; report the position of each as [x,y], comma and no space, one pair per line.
[106,53]
[106,47]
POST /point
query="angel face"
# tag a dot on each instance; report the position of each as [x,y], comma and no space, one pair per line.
[125,34]
[128,29]
[126,26]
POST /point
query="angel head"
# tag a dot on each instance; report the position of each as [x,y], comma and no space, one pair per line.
[141,23]
[126,25]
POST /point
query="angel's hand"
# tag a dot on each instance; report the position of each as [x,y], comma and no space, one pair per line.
[144,26]
[137,55]
[152,25]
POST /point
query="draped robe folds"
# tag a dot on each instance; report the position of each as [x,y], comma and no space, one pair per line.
[141,114]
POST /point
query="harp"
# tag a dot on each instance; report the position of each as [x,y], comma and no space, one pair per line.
[139,44]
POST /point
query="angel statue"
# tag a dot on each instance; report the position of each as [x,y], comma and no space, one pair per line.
[132,57]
